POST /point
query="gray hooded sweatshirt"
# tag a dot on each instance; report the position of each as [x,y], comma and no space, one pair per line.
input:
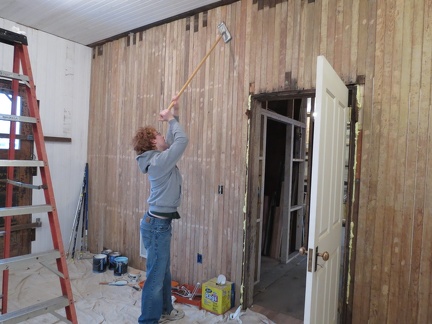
[163,173]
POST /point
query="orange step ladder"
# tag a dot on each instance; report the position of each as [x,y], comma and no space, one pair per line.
[21,63]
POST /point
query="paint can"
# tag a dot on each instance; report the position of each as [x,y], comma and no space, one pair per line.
[111,259]
[134,275]
[121,266]
[106,252]
[99,263]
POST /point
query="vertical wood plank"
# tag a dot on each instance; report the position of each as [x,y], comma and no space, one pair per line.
[338,36]
[346,27]
[224,133]
[289,45]
[381,214]
[318,29]
[234,123]
[368,175]
[400,89]
[258,49]
[278,26]
[215,152]
[423,164]
[295,45]
[195,133]
[183,36]
[412,162]
[281,52]
[331,32]
[364,22]
[269,44]
[308,54]
[206,109]
[324,26]
[302,67]
[207,37]
[211,173]
[388,122]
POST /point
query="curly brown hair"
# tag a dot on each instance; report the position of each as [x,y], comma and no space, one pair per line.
[143,139]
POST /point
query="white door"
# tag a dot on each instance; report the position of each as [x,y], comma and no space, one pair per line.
[327,191]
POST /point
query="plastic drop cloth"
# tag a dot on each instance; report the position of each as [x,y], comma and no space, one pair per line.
[96,303]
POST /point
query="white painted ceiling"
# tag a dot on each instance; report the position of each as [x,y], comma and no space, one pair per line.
[92,21]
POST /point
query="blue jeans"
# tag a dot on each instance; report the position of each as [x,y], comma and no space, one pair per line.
[156,293]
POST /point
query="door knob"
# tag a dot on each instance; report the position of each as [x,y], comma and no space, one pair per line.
[302,251]
[325,255]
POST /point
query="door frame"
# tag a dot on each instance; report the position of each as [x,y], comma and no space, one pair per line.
[253,190]
[250,216]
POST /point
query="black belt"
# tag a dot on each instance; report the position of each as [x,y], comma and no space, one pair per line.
[157,216]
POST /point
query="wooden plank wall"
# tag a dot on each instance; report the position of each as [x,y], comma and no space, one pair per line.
[274,48]
[133,79]
[394,251]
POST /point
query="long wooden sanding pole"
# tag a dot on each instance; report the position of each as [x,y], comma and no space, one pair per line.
[226,36]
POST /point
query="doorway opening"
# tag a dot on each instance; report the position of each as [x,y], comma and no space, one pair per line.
[282,220]
[280,161]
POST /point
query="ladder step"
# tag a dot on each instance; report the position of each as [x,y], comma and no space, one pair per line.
[25,185]
[19,137]
[35,310]
[23,210]
[15,76]
[21,227]
[11,38]
[14,118]
[28,259]
[22,163]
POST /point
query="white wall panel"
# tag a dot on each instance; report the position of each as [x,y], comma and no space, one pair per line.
[61,71]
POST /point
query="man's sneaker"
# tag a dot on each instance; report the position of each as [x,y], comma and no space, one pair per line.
[175,315]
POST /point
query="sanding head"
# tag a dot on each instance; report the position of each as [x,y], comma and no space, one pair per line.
[223,30]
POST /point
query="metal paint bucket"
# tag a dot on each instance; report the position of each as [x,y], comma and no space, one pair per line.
[99,263]
[106,252]
[121,266]
[111,259]
[134,275]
